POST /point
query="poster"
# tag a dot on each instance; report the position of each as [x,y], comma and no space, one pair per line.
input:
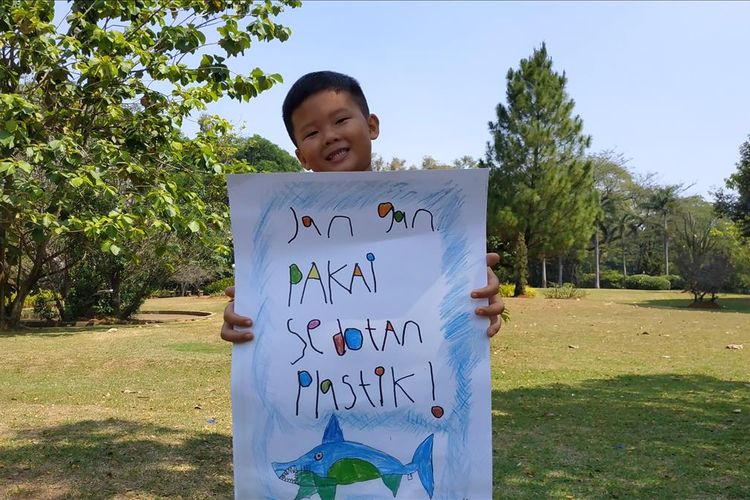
[369,373]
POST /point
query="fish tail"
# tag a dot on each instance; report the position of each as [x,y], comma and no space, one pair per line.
[422,461]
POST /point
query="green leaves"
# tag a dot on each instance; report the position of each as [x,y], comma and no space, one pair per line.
[90,146]
[541,186]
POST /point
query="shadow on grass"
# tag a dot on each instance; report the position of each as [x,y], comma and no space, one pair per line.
[655,436]
[113,457]
[728,304]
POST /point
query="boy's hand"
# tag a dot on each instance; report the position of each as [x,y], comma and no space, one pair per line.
[496,306]
[491,311]
[232,319]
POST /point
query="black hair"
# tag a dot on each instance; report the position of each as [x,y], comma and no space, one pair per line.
[312,83]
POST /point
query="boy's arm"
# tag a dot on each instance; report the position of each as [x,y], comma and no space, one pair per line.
[232,319]
[495,306]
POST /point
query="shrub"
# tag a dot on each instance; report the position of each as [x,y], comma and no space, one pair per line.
[566,291]
[675,282]
[587,280]
[507,290]
[161,294]
[646,282]
[217,287]
[610,278]
[43,304]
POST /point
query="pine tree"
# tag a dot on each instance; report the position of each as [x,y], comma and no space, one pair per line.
[541,185]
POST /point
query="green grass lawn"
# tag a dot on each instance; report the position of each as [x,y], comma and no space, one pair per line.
[620,394]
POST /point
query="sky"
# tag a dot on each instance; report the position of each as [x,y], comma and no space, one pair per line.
[666,84]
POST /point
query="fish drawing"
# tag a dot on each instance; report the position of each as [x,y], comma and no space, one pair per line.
[336,461]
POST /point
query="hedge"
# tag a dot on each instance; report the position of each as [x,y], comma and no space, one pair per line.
[646,282]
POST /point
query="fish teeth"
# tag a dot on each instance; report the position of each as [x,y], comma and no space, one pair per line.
[289,475]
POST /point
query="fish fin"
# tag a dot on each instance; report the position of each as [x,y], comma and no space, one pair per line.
[327,492]
[393,481]
[422,461]
[333,432]
[305,491]
[326,487]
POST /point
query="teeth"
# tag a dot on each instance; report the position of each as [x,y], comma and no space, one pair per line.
[289,475]
[337,154]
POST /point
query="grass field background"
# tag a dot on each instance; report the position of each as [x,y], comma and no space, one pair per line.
[620,394]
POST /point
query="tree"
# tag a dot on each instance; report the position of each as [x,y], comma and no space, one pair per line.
[90,147]
[465,161]
[265,156]
[430,163]
[379,165]
[617,216]
[520,266]
[540,184]
[703,263]
[662,200]
[735,203]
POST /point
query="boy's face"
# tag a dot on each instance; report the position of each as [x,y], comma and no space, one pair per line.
[332,134]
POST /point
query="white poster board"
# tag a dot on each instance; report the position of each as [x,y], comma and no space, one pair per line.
[369,373]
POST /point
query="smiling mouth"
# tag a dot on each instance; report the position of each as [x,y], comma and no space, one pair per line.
[337,155]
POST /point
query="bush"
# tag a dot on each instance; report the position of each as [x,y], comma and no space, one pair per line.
[161,294]
[508,289]
[566,291]
[217,287]
[646,282]
[608,278]
[43,304]
[587,280]
[675,282]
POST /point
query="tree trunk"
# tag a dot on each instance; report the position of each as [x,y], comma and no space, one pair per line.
[596,257]
[115,281]
[624,265]
[559,270]
[666,247]
[23,288]
[544,272]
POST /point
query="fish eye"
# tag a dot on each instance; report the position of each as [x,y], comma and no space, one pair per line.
[318,456]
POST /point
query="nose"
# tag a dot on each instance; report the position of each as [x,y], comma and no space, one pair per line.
[331,135]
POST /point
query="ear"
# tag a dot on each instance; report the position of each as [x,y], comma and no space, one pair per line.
[301,157]
[373,123]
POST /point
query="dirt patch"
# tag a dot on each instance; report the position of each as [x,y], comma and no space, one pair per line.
[141,318]
[165,316]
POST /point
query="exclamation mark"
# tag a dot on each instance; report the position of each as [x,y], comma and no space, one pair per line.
[437,411]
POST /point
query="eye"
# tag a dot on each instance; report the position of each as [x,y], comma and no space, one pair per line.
[311,134]
[318,456]
[341,120]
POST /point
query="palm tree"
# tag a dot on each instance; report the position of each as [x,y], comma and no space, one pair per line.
[662,201]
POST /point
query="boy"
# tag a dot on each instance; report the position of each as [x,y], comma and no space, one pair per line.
[330,124]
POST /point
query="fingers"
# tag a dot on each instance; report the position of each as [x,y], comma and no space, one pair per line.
[232,320]
[493,259]
[495,305]
[494,310]
[491,289]
[229,292]
[229,334]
